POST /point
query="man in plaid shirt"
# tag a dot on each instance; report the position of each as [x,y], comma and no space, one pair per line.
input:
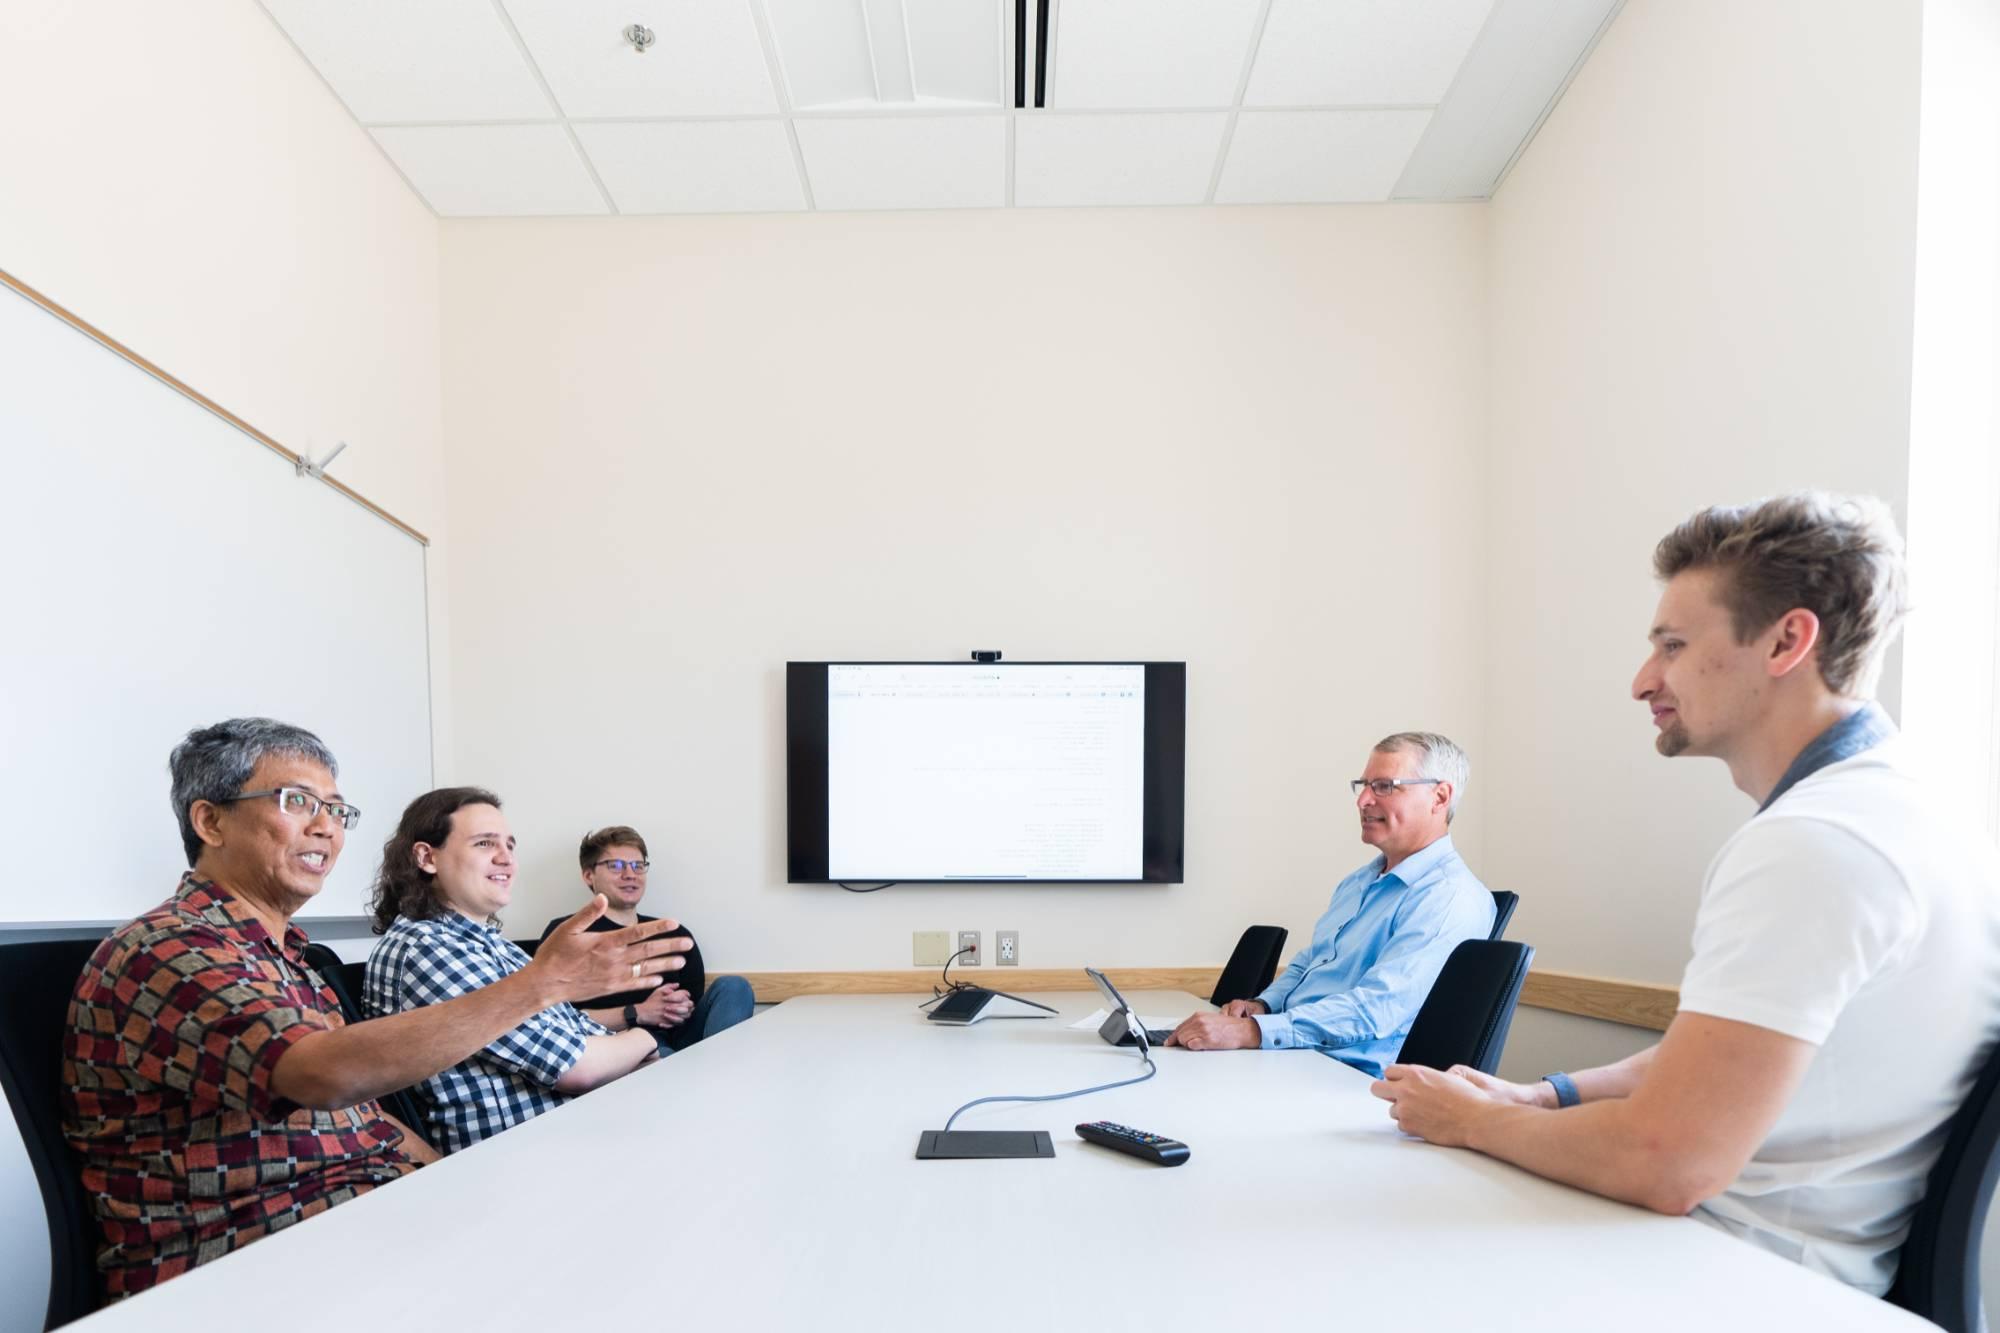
[446,873]
[209,1085]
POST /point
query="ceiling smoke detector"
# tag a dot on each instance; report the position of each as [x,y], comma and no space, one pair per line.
[639,36]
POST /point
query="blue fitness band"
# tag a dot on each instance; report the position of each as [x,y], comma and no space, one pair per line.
[1565,1087]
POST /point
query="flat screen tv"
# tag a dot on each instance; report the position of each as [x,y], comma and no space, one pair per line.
[985,772]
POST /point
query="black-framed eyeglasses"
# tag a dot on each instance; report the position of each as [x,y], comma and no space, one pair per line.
[1386,787]
[302,803]
[619,867]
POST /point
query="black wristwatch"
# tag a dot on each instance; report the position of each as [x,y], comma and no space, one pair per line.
[631,1017]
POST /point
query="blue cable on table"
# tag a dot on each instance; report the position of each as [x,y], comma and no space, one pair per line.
[1151,1069]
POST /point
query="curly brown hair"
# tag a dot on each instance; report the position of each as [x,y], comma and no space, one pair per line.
[1837,556]
[401,889]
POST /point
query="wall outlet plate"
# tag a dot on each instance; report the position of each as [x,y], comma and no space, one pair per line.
[929,948]
[1006,948]
[968,939]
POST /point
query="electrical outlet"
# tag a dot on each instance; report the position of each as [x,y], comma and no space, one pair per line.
[968,939]
[929,948]
[1006,948]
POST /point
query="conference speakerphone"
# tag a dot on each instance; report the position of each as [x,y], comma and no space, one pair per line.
[970,1004]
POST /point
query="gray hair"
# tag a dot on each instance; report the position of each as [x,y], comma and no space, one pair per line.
[213,763]
[1437,757]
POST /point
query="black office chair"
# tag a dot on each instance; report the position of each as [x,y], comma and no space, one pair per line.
[528,947]
[1939,1274]
[1465,1018]
[1504,904]
[36,982]
[346,981]
[1252,966]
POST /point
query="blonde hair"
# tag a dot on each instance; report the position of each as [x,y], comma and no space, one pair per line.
[1837,556]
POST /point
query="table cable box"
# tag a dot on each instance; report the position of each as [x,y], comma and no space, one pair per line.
[970,1004]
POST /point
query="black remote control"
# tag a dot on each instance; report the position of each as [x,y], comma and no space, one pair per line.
[1150,1147]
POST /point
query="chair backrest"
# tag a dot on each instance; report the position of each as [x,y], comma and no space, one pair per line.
[36,982]
[346,981]
[1504,904]
[1252,966]
[1465,1018]
[1939,1273]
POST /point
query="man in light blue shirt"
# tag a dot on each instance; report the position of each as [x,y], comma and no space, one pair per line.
[1355,990]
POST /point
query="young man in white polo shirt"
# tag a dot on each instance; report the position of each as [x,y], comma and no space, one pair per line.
[1845,985]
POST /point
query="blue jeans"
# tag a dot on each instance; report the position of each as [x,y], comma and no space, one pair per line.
[725,1002]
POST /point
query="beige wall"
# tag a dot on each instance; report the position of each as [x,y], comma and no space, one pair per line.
[685,451]
[177,176]
[1701,285]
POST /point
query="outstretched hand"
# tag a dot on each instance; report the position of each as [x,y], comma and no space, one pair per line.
[579,963]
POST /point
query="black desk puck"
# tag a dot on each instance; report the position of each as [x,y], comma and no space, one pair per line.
[938,1145]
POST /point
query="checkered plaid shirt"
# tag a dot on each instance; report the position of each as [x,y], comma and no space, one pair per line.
[424,962]
[173,1030]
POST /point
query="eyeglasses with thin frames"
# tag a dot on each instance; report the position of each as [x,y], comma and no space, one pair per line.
[618,867]
[299,802]
[1386,787]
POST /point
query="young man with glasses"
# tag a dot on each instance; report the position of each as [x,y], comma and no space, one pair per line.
[615,863]
[1845,986]
[1355,990]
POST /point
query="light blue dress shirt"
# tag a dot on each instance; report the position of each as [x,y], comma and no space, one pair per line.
[1354,992]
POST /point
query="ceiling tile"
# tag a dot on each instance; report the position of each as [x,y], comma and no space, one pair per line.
[823,49]
[1149,53]
[706,58]
[892,56]
[1362,52]
[958,50]
[1318,157]
[1163,158]
[1525,56]
[493,170]
[906,161]
[696,166]
[390,60]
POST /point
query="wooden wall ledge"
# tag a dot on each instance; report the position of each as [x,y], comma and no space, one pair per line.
[1631,1002]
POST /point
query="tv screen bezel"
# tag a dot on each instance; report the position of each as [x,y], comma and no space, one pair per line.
[1164,784]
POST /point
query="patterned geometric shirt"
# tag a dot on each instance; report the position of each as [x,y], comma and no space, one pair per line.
[173,1030]
[426,962]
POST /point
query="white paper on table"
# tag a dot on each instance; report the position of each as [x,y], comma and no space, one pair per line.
[1147,1021]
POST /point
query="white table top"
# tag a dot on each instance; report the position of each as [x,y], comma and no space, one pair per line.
[790,1142]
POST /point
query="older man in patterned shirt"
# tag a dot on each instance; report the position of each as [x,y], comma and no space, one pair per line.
[209,1084]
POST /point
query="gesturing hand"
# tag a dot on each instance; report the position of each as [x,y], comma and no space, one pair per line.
[579,963]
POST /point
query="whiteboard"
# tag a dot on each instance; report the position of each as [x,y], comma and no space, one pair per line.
[163,571]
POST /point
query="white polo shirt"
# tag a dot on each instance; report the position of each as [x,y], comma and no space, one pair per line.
[1857,915]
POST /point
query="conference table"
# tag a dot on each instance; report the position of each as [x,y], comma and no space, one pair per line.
[767,1179]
